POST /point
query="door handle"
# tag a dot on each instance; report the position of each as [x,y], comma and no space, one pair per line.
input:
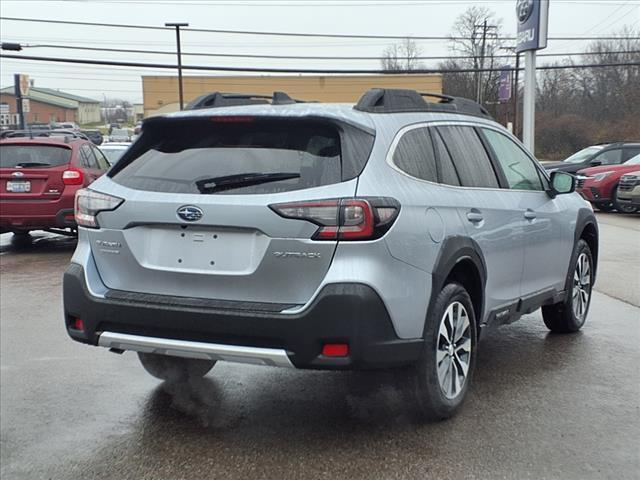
[474,217]
[530,214]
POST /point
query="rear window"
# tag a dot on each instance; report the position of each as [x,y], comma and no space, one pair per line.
[242,155]
[34,156]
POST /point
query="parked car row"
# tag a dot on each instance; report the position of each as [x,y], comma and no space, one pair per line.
[600,169]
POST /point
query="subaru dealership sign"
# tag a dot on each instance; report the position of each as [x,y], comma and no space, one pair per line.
[533,18]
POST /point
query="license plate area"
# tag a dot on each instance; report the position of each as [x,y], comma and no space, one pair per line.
[21,186]
[198,249]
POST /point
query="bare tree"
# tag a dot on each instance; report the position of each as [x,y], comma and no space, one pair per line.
[476,35]
[403,56]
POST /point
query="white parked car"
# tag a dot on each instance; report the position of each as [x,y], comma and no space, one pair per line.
[114,150]
[120,135]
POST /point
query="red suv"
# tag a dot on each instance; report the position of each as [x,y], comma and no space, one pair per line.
[39,178]
[599,185]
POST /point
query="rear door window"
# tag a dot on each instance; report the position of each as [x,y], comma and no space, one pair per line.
[88,158]
[414,155]
[103,164]
[469,156]
[447,170]
[34,156]
[241,155]
[629,152]
[610,157]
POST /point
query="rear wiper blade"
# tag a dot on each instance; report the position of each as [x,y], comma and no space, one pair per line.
[33,164]
[219,184]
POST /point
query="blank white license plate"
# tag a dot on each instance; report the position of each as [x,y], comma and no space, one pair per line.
[19,187]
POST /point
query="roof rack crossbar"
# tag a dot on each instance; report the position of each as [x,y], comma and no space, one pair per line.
[395,100]
[222,99]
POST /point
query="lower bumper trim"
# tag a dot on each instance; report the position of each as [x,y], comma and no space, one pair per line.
[189,349]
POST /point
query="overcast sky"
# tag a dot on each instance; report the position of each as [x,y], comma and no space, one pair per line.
[380,17]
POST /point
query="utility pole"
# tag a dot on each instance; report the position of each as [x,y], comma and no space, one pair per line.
[177,27]
[485,29]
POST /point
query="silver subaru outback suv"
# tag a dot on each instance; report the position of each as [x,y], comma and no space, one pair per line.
[327,236]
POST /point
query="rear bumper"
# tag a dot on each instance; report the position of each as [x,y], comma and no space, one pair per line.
[341,313]
[37,214]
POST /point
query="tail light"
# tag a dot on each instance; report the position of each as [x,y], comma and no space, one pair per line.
[73,176]
[364,218]
[90,203]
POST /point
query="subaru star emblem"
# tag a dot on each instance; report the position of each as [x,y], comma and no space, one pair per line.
[17,174]
[190,213]
[524,9]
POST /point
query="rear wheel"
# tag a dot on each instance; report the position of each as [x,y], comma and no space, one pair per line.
[569,316]
[441,378]
[622,207]
[174,369]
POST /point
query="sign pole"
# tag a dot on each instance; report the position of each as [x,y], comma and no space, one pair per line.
[18,95]
[529,104]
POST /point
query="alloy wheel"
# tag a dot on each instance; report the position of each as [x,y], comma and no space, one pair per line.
[581,286]
[453,353]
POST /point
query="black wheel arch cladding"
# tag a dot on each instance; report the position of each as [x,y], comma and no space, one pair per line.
[455,252]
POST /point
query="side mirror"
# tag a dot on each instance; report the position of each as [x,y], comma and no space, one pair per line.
[595,163]
[562,182]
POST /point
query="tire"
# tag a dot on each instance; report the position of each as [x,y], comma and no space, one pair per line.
[174,369]
[431,383]
[569,315]
[621,207]
[604,206]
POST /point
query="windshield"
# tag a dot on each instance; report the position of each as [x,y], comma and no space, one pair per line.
[583,154]
[33,156]
[113,154]
[240,156]
[120,133]
[633,160]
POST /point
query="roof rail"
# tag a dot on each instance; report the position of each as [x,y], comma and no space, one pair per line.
[615,142]
[392,100]
[221,99]
[41,133]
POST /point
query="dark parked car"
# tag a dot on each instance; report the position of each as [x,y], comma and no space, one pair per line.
[94,135]
[603,154]
[40,177]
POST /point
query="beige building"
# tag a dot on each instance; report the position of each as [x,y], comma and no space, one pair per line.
[160,93]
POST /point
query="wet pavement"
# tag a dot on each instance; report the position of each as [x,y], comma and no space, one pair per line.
[541,405]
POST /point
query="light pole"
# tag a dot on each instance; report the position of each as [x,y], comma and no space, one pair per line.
[177,27]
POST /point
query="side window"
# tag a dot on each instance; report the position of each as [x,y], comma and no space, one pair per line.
[470,159]
[628,153]
[414,155]
[518,168]
[88,159]
[610,157]
[103,164]
[446,169]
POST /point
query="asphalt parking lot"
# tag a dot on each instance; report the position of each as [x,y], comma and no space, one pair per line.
[541,406]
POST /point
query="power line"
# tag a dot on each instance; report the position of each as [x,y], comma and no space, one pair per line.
[303,57]
[304,70]
[284,34]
